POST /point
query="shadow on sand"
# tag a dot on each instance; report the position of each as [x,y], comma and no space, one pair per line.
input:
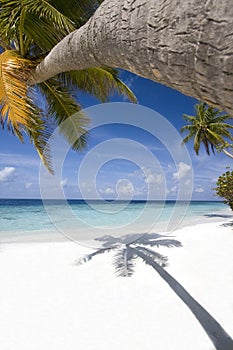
[129,248]
[223,216]
[227,224]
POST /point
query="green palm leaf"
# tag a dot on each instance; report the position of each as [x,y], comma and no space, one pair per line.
[39,136]
[221,118]
[78,11]
[61,106]
[207,127]
[197,142]
[39,20]
[99,82]
[187,128]
[37,29]
[44,9]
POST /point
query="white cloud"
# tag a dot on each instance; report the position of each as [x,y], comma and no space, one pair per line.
[7,174]
[173,189]
[107,190]
[63,183]
[125,188]
[151,177]
[199,190]
[183,171]
[28,185]
[154,179]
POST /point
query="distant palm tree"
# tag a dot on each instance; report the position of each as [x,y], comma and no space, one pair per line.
[129,248]
[208,127]
[29,29]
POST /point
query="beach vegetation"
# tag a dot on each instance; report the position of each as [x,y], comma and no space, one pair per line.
[224,187]
[29,29]
[208,127]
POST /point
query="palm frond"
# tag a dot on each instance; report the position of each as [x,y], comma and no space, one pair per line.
[221,125]
[124,262]
[39,20]
[158,258]
[44,9]
[61,106]
[78,11]
[39,136]
[169,243]
[16,107]
[221,118]
[209,114]
[206,144]
[9,21]
[190,118]
[200,111]
[197,142]
[214,137]
[18,111]
[37,29]
[89,257]
[188,137]
[99,82]
[189,127]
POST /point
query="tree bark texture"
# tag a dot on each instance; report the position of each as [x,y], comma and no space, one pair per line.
[184,44]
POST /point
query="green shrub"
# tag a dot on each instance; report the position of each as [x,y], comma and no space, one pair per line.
[224,187]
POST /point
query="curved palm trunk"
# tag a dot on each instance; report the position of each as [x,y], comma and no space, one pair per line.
[187,45]
[218,336]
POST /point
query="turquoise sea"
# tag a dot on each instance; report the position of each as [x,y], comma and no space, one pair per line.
[23,218]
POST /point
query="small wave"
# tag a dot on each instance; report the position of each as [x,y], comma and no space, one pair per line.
[8,218]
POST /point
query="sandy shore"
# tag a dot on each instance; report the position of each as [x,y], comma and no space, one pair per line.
[48,303]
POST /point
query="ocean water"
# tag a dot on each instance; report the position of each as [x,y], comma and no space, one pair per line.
[20,218]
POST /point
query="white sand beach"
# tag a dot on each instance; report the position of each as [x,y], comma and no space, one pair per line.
[48,303]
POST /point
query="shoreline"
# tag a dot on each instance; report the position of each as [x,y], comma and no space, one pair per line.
[55,235]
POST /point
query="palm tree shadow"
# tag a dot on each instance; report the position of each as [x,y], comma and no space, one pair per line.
[130,248]
[224,216]
[227,224]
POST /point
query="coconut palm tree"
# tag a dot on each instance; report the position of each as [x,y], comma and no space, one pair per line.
[208,127]
[130,248]
[29,30]
[172,43]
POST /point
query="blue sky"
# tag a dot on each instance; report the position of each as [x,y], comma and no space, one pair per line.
[121,161]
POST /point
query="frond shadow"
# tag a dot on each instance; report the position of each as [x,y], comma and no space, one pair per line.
[227,224]
[224,216]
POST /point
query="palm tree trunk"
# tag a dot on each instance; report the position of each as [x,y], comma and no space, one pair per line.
[187,45]
[227,153]
[218,336]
